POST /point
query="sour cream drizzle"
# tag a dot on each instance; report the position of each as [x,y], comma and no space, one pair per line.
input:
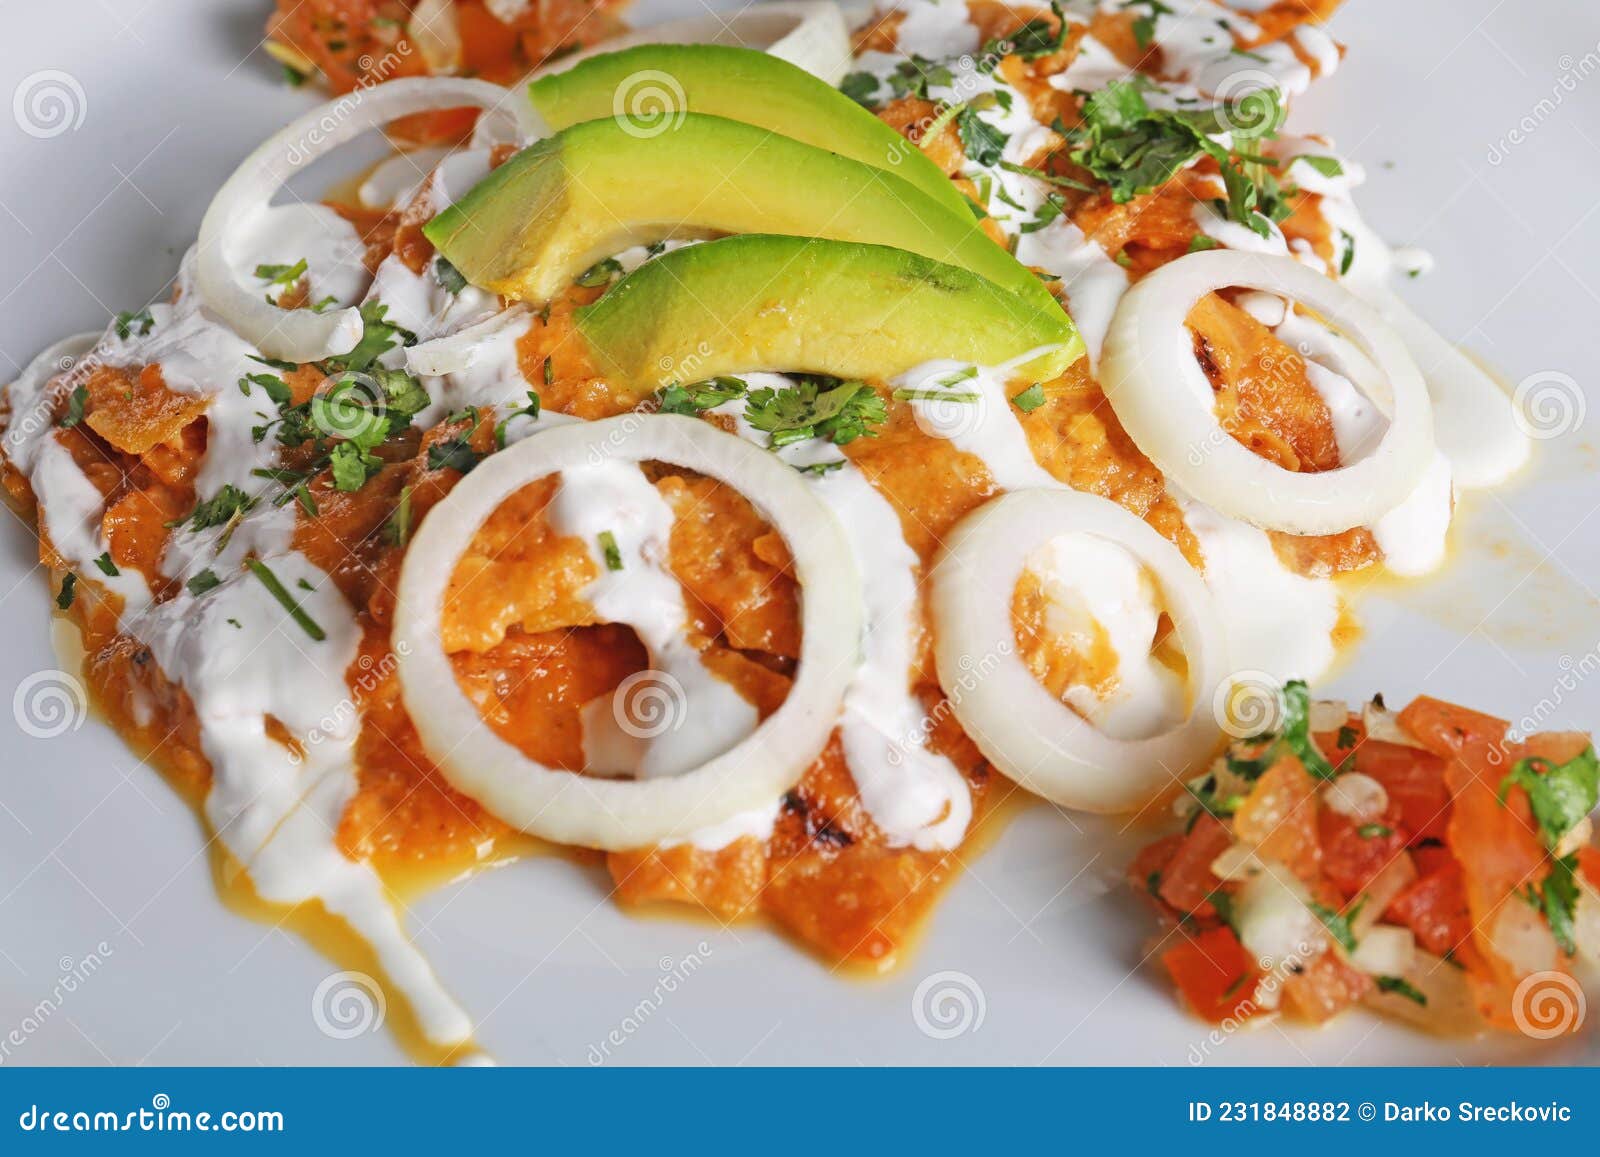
[688,715]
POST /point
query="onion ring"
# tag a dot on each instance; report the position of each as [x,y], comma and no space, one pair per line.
[301,335]
[1025,731]
[619,814]
[810,34]
[1162,398]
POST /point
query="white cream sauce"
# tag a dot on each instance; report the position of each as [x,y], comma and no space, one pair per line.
[684,715]
[1092,584]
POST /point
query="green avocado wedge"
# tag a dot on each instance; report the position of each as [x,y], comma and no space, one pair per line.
[562,204]
[798,304]
[654,80]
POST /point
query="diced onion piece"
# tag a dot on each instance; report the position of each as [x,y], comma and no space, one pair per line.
[1519,935]
[1397,875]
[1448,1007]
[1328,714]
[302,335]
[1580,835]
[1357,797]
[809,34]
[1026,732]
[1386,951]
[1166,404]
[1276,924]
[1382,724]
[436,32]
[1237,862]
[1586,922]
[616,814]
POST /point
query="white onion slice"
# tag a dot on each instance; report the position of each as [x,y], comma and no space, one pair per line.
[810,34]
[1026,732]
[620,814]
[1161,396]
[300,335]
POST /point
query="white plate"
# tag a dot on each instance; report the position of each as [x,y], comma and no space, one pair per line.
[1039,939]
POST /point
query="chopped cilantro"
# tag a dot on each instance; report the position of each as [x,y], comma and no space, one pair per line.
[1374,831]
[221,508]
[1038,37]
[286,600]
[1400,986]
[1295,733]
[448,276]
[351,466]
[860,87]
[276,389]
[610,551]
[1040,174]
[455,454]
[202,582]
[1135,149]
[1223,903]
[75,407]
[69,591]
[126,322]
[282,277]
[378,336]
[699,397]
[1030,399]
[107,567]
[816,407]
[1561,794]
[1338,924]
[981,141]
[818,469]
[531,410]
[1201,241]
[1327,166]
[397,531]
[1559,899]
[1347,252]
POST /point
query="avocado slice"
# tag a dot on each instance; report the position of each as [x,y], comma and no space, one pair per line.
[802,304]
[592,190]
[741,84]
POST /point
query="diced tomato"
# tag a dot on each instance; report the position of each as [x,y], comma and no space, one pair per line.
[1215,974]
[1432,858]
[1435,909]
[1447,730]
[1187,879]
[1324,988]
[1589,865]
[1279,818]
[1414,780]
[1152,861]
[1354,733]
[1351,859]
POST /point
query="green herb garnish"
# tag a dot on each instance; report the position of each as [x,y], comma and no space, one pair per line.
[1400,986]
[286,600]
[107,567]
[1030,399]
[1561,795]
[610,551]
